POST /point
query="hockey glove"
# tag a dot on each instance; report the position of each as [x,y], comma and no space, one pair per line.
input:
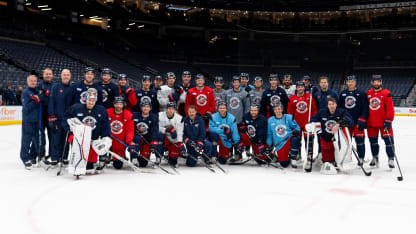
[124,88]
[361,124]
[133,148]
[153,146]
[240,147]
[178,89]
[262,149]
[52,122]
[227,132]
[137,139]
[173,97]
[182,148]
[248,89]
[35,98]
[172,132]
[199,146]
[269,150]
[207,116]
[189,142]
[128,91]
[387,125]
[343,123]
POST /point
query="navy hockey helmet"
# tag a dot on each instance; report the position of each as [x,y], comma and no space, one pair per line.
[273,77]
[245,75]
[352,77]
[171,104]
[199,76]
[258,78]
[145,103]
[89,69]
[119,99]
[300,83]
[122,76]
[170,74]
[376,77]
[106,71]
[277,104]
[287,76]
[306,77]
[158,77]
[186,73]
[236,78]
[146,77]
[255,105]
[222,103]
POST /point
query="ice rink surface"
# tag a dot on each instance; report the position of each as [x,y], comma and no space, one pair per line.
[250,199]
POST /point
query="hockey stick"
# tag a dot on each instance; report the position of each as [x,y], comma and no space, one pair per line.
[148,160]
[160,156]
[367,173]
[209,159]
[309,156]
[399,178]
[63,154]
[40,131]
[264,161]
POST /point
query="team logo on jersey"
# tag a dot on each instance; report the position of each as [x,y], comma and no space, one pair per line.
[301,107]
[281,130]
[116,127]
[83,97]
[90,121]
[329,125]
[142,128]
[251,131]
[105,95]
[274,99]
[234,103]
[145,99]
[223,126]
[350,102]
[201,100]
[375,103]
[256,100]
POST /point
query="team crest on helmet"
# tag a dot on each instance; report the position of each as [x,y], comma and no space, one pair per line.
[116,127]
[83,96]
[201,100]
[142,128]
[234,103]
[90,121]
[301,107]
[146,99]
[350,102]
[375,103]
[281,130]
[251,131]
[329,125]
[105,95]
[274,99]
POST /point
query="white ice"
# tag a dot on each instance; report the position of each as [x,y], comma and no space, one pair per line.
[250,199]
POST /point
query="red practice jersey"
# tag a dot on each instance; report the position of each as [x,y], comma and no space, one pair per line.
[131,99]
[122,127]
[299,108]
[204,100]
[381,107]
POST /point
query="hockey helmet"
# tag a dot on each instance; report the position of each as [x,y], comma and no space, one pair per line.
[119,99]
[236,78]
[273,77]
[89,69]
[287,76]
[91,93]
[145,103]
[146,77]
[199,76]
[306,77]
[186,73]
[219,79]
[244,74]
[171,104]
[106,71]
[376,77]
[170,74]
[122,76]
[258,78]
[352,77]
[300,83]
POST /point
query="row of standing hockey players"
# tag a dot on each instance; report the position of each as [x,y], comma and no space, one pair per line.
[193,119]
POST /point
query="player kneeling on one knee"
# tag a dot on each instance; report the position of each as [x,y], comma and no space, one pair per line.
[122,128]
[223,129]
[146,135]
[283,135]
[171,129]
[254,133]
[194,134]
[331,120]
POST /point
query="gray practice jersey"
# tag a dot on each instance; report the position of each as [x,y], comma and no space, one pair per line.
[219,96]
[255,97]
[238,103]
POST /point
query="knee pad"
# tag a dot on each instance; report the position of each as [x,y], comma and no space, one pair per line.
[142,162]
[294,142]
[117,164]
[389,146]
[284,163]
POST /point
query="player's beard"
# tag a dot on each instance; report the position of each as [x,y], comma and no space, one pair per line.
[376,87]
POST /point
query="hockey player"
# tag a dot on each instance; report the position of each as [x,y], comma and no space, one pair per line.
[283,135]
[122,128]
[145,94]
[331,119]
[288,85]
[169,92]
[157,83]
[109,89]
[44,88]
[254,132]
[194,135]
[302,107]
[79,89]
[223,130]
[271,96]
[147,128]
[355,102]
[256,93]
[126,92]
[380,118]
[94,116]
[237,100]
[309,88]
[219,92]
[324,93]
[171,129]
[59,103]
[186,86]
[30,121]
[202,97]
[244,79]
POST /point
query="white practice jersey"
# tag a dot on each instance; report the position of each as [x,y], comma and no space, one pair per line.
[162,97]
[290,91]
[176,122]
